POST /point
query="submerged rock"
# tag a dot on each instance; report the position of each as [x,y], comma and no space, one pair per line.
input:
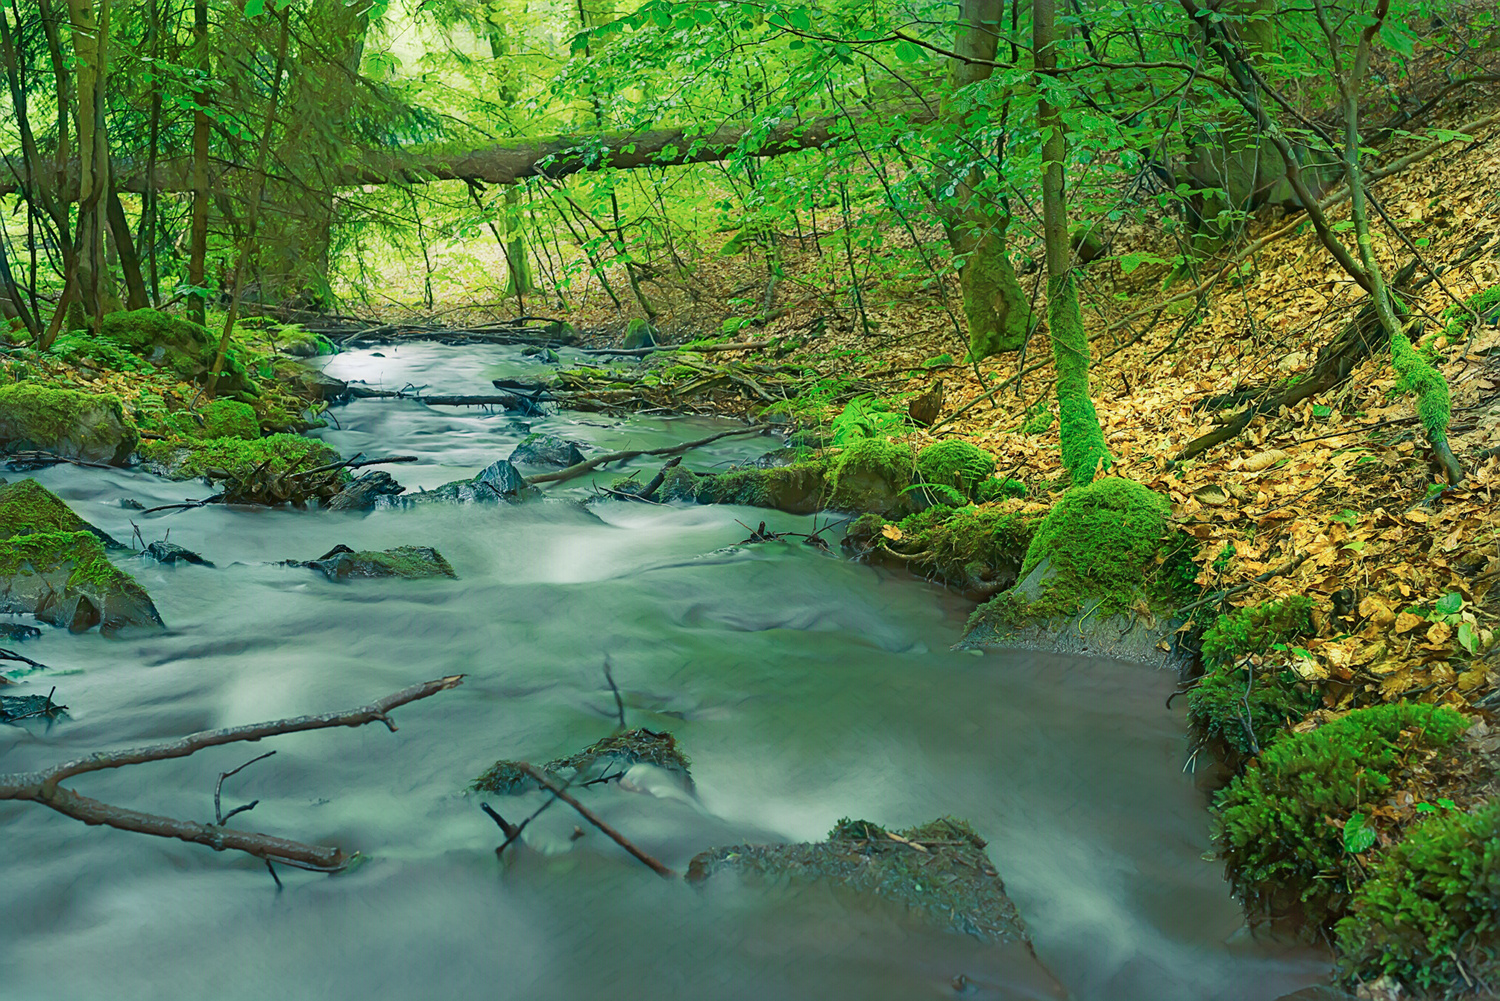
[799,488]
[499,481]
[64,578]
[938,870]
[18,631]
[171,552]
[410,562]
[86,426]
[364,494]
[18,707]
[546,451]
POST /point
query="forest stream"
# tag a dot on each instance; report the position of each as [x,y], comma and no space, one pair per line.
[804,687]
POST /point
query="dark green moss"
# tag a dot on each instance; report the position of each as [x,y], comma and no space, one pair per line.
[1431,903]
[505,778]
[90,426]
[28,508]
[871,474]
[229,419]
[955,464]
[995,489]
[185,348]
[620,751]
[78,348]
[975,549]
[1279,825]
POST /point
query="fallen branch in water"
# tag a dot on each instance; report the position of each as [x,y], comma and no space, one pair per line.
[642,352]
[558,791]
[352,464]
[42,786]
[589,465]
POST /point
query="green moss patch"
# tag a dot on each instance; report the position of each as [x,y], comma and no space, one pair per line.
[1238,702]
[65,579]
[938,871]
[88,426]
[237,457]
[871,474]
[185,348]
[28,508]
[409,562]
[1431,903]
[978,550]
[956,464]
[1280,825]
[799,488]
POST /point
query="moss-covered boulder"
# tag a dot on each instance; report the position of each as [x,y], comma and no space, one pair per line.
[872,475]
[976,550]
[955,464]
[222,458]
[545,451]
[88,426]
[185,348]
[1284,826]
[28,508]
[1102,575]
[798,488]
[409,562]
[65,579]
[939,871]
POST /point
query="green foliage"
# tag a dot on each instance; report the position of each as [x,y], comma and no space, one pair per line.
[868,417]
[956,464]
[1280,824]
[229,419]
[994,489]
[101,352]
[968,547]
[279,453]
[1238,703]
[1432,901]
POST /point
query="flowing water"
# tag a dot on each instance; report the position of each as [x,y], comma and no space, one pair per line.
[805,688]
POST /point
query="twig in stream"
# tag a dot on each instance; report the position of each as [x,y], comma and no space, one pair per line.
[220,816]
[189,504]
[352,464]
[593,818]
[12,655]
[619,702]
[589,465]
[660,478]
[43,786]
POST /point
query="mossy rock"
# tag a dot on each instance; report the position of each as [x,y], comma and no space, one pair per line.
[222,458]
[1279,825]
[545,451]
[798,488]
[407,562]
[949,880]
[28,508]
[79,349]
[88,426]
[64,578]
[185,348]
[976,550]
[955,464]
[872,475]
[499,481]
[1102,575]
[1228,705]
[610,757]
[1430,904]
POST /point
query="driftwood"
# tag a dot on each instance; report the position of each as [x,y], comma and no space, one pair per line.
[642,352]
[558,791]
[43,786]
[589,465]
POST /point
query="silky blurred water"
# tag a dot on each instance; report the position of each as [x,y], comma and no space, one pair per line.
[804,687]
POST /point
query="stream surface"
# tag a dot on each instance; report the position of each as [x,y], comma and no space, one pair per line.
[804,687]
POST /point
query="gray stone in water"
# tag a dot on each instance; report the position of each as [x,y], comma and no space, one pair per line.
[546,451]
[366,492]
[410,562]
[171,552]
[18,631]
[499,481]
[639,335]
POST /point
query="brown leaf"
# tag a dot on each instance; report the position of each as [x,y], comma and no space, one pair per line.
[1264,460]
[1406,622]
[892,532]
[1439,633]
[1377,611]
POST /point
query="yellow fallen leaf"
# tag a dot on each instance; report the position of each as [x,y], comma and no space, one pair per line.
[1439,633]
[1420,517]
[1377,611]
[1212,495]
[1406,622]
[1264,460]
[892,532]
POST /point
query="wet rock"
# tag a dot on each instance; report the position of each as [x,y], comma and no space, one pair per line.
[639,335]
[19,632]
[171,552]
[545,451]
[523,398]
[365,493]
[311,384]
[609,758]
[499,481]
[64,579]
[409,562]
[86,426]
[14,708]
[544,355]
[938,870]
[131,504]
[27,507]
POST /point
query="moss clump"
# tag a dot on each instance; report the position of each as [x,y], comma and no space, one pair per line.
[1416,375]
[64,578]
[28,508]
[505,778]
[1279,825]
[1238,703]
[78,348]
[1104,544]
[975,549]
[238,457]
[1432,902]
[995,489]
[230,419]
[183,347]
[409,562]
[1084,451]
[955,464]
[621,750]
[871,474]
[90,426]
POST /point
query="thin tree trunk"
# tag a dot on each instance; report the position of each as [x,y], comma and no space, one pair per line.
[1083,449]
[198,232]
[130,262]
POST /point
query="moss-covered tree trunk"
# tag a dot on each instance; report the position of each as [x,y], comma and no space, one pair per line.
[1084,452]
[998,311]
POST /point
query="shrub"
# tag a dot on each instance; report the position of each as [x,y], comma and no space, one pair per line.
[1227,703]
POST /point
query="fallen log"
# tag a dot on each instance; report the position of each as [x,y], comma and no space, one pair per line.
[589,465]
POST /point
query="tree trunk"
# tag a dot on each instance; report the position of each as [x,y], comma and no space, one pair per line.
[998,311]
[1083,449]
[198,232]
[91,59]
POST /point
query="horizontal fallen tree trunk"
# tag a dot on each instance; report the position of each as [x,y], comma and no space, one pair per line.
[42,786]
[511,162]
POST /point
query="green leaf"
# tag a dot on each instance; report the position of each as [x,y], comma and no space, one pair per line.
[254,8]
[907,52]
[1467,637]
[1449,604]
[1358,836]
[1426,808]
[1129,262]
[1342,226]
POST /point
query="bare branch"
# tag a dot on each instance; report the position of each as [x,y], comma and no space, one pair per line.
[596,820]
